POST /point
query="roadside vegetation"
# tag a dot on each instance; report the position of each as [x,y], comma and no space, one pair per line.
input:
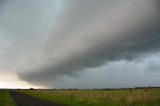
[6,99]
[134,97]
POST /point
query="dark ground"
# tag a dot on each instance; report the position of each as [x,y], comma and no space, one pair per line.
[25,100]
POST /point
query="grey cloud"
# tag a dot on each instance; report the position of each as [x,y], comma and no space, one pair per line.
[90,37]
[153,65]
[66,37]
[117,74]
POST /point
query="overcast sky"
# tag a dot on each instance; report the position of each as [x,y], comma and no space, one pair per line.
[79,43]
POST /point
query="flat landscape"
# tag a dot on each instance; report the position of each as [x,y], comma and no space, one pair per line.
[53,97]
[134,97]
[79,52]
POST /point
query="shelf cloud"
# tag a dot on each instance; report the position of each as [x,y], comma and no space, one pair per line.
[58,37]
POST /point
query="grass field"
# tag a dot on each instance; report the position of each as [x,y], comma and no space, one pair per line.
[6,99]
[136,97]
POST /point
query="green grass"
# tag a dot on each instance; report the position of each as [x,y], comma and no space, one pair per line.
[151,97]
[6,99]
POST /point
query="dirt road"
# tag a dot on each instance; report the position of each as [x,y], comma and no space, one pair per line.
[24,100]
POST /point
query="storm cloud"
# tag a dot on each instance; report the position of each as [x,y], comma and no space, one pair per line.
[59,37]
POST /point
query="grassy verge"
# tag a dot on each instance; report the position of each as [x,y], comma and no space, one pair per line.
[99,97]
[6,99]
